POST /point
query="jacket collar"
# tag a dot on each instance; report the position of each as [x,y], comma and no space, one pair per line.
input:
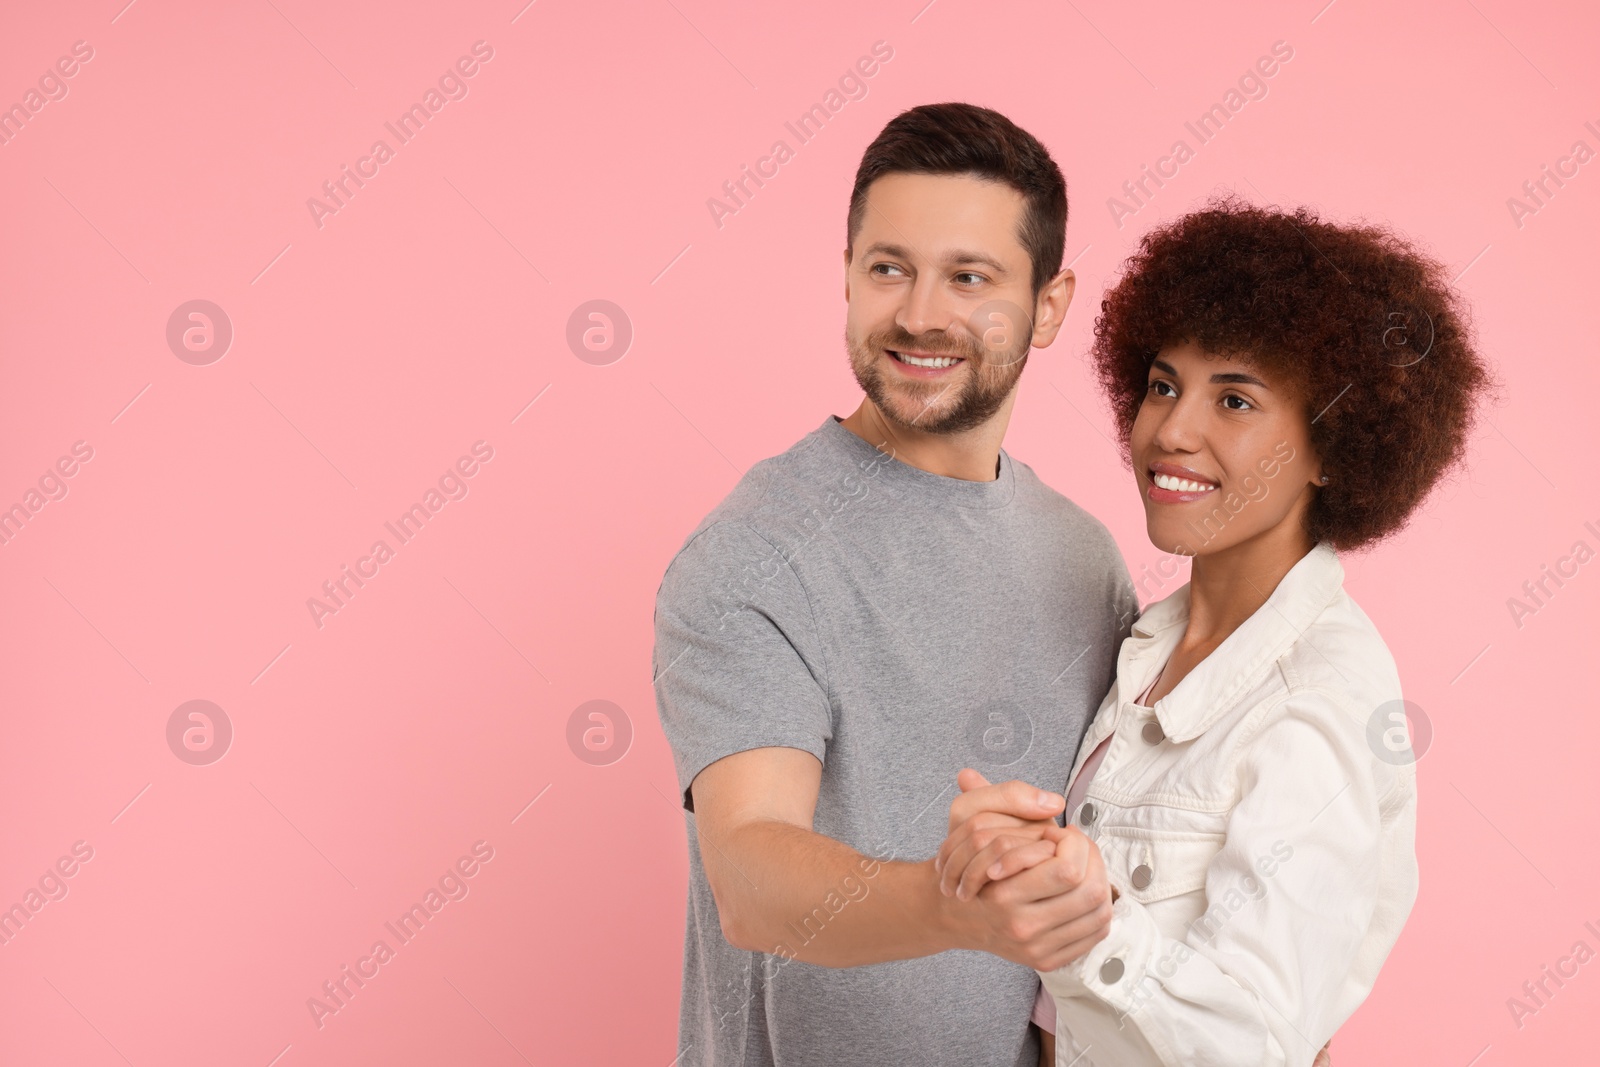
[1237,665]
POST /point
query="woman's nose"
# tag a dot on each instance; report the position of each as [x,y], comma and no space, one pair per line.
[1178,430]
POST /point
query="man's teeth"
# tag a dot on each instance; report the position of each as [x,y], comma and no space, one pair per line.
[1182,485]
[935,361]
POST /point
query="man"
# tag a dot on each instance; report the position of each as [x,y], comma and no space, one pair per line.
[889,601]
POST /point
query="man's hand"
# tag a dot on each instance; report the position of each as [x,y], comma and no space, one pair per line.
[1047,900]
[1043,917]
[986,821]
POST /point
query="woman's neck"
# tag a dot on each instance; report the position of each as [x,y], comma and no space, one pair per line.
[1228,586]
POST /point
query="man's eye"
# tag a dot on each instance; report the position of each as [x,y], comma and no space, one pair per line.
[883,267]
[977,279]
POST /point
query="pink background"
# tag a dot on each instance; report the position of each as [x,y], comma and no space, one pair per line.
[368,354]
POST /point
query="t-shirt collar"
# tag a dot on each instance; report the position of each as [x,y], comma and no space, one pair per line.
[915,481]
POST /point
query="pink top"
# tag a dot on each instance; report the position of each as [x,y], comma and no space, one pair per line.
[1044,1005]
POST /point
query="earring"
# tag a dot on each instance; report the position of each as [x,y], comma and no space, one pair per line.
[1324,479]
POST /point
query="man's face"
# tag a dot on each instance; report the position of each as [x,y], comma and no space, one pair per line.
[940,300]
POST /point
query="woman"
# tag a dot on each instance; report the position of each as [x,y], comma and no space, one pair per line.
[1285,389]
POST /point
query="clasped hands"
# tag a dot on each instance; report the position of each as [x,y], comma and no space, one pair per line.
[1022,887]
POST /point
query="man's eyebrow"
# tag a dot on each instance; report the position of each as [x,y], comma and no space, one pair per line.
[961,255]
[956,257]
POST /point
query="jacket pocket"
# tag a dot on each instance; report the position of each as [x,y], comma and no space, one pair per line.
[1150,865]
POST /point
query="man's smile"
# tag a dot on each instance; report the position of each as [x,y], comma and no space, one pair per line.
[923,364]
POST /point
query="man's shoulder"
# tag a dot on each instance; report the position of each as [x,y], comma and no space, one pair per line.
[1068,519]
[744,520]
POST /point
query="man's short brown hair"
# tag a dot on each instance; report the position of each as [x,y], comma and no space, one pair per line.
[967,139]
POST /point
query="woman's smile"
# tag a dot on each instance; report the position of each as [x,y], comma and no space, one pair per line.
[1171,483]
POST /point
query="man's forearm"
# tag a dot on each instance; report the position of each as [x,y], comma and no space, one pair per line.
[788,891]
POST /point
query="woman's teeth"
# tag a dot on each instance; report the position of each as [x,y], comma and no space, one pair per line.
[1181,485]
[919,361]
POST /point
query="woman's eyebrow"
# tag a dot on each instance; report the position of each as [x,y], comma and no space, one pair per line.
[1222,378]
[1235,378]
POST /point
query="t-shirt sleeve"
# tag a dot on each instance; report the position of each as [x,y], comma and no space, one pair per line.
[737,662]
[1123,608]
[1044,1010]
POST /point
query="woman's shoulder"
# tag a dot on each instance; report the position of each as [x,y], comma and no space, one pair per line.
[1341,653]
[1340,678]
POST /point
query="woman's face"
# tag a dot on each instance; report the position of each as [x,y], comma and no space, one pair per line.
[1221,451]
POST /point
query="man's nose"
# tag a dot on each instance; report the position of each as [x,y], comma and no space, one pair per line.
[927,307]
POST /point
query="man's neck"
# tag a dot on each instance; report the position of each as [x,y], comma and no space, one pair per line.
[972,455]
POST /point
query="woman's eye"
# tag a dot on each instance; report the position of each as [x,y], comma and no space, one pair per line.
[1243,404]
[1162,388]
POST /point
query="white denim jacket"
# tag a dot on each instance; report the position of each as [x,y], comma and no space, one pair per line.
[1258,823]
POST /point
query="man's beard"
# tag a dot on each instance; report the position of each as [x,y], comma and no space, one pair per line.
[938,407]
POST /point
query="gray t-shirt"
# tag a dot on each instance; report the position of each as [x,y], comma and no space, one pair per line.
[898,625]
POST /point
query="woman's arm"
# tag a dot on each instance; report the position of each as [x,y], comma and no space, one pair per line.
[1318,855]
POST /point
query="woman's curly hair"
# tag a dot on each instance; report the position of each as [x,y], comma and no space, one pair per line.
[1362,326]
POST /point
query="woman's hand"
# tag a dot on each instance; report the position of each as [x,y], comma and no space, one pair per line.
[1047,900]
[997,831]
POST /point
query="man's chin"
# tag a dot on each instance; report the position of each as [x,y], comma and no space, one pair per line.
[915,413]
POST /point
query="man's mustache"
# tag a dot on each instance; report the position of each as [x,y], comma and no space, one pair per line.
[934,345]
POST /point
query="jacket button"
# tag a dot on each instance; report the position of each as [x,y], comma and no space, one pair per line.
[1152,733]
[1141,876]
[1111,971]
[1086,814]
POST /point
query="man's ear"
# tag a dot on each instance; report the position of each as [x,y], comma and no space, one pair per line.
[847,275]
[1050,307]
